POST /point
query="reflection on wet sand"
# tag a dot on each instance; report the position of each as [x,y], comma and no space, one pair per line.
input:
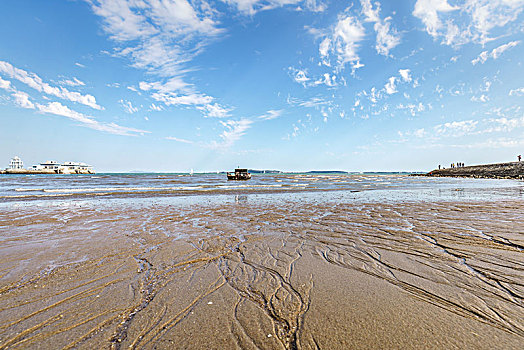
[270,275]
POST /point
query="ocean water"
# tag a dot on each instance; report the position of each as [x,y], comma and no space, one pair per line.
[28,188]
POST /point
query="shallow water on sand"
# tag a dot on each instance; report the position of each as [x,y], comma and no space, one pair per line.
[408,263]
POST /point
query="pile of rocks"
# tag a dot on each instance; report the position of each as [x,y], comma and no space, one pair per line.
[514,170]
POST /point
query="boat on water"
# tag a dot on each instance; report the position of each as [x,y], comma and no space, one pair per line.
[239,174]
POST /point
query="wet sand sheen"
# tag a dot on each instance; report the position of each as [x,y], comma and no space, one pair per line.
[283,275]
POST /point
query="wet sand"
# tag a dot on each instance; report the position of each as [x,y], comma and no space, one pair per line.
[263,274]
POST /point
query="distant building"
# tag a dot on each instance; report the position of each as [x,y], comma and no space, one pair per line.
[49,165]
[16,166]
[16,163]
[73,167]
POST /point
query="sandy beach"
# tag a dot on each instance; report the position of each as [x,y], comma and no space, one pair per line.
[262,274]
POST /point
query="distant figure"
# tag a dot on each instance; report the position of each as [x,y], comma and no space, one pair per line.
[519,157]
[439,167]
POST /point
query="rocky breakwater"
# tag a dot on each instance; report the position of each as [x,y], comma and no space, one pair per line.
[514,170]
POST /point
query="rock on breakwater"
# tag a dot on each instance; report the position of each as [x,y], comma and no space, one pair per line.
[514,170]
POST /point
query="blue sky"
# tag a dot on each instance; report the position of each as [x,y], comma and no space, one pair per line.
[170,85]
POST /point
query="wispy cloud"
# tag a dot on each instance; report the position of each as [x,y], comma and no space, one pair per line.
[59,109]
[128,106]
[271,114]
[387,37]
[159,36]
[517,92]
[23,100]
[5,84]
[35,82]
[156,108]
[178,139]
[456,128]
[251,7]
[390,86]
[214,110]
[495,53]
[343,42]
[234,130]
[467,20]
[72,82]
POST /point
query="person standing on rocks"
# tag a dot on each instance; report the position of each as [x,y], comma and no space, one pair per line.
[519,157]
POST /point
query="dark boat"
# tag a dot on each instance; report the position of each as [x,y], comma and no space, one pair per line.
[239,174]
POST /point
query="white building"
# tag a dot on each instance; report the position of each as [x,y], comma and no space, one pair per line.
[49,165]
[16,163]
[74,167]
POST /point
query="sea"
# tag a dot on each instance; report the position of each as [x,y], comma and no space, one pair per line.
[213,186]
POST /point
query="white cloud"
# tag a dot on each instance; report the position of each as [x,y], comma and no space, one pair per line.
[59,109]
[182,100]
[343,42]
[128,106]
[405,74]
[251,7]
[481,98]
[154,107]
[299,76]
[456,128]
[5,84]
[79,65]
[517,92]
[505,124]
[22,100]
[495,53]
[467,20]
[178,140]
[35,82]
[413,108]
[420,133]
[387,37]
[390,86]
[234,131]
[72,82]
[173,84]
[482,57]
[428,12]
[327,79]
[162,37]
[372,15]
[313,102]
[271,114]
[488,14]
[214,110]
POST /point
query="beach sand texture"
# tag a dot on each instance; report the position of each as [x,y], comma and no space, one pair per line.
[286,275]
